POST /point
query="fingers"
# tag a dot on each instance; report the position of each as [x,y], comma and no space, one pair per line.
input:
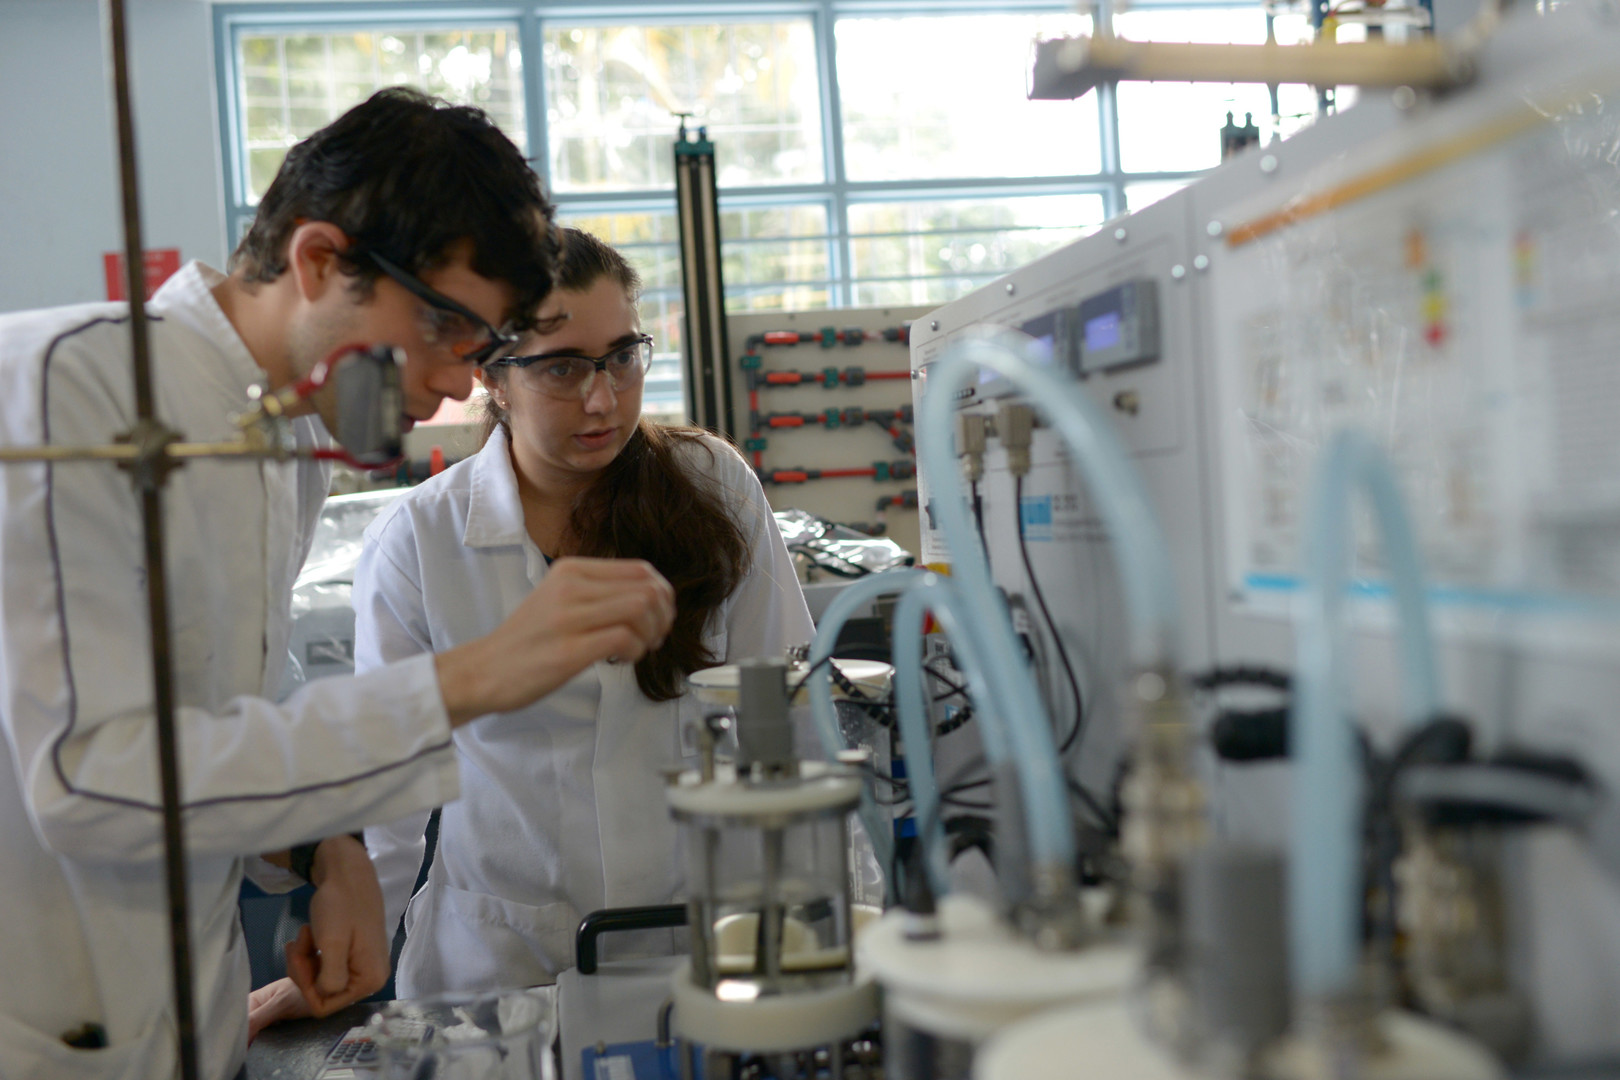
[367,973]
[303,967]
[321,976]
[273,1003]
[583,611]
[332,947]
[598,593]
[582,596]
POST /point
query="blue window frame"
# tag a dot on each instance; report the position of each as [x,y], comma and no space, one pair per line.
[869,152]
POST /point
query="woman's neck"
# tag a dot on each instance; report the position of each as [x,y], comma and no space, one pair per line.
[548,506]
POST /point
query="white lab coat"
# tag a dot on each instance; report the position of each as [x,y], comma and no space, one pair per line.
[83,915]
[562,809]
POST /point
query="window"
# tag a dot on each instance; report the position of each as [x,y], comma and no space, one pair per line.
[612,93]
[866,154]
[296,82]
[934,97]
[929,252]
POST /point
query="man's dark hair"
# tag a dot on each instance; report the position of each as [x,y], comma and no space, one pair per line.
[408,176]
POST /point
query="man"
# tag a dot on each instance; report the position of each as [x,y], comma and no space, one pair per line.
[403,222]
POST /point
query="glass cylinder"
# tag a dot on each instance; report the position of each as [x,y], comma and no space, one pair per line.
[768,880]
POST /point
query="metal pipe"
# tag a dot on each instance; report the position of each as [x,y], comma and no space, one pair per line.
[131,455]
[149,471]
[1425,63]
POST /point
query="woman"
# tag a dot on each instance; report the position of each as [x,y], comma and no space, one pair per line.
[562,809]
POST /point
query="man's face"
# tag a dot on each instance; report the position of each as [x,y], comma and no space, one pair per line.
[394,316]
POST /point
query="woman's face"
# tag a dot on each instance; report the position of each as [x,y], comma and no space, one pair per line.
[563,442]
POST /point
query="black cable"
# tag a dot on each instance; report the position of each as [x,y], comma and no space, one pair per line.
[1105,820]
[978,518]
[964,713]
[805,678]
[946,798]
[818,554]
[1063,654]
[956,689]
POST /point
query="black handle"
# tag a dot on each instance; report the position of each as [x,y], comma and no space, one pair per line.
[613,920]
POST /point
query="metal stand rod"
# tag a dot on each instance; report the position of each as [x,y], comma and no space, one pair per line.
[149,472]
[177,453]
[772,911]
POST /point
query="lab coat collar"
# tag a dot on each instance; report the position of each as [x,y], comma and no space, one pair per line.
[188,297]
[494,509]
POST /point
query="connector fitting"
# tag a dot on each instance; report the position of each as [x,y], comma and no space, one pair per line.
[972,435]
[1015,426]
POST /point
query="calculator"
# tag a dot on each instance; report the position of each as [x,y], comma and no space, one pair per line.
[354,1056]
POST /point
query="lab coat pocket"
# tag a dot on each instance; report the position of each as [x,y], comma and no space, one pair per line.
[34,1055]
[456,939]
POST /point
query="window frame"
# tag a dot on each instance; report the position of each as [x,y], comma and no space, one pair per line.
[232,21]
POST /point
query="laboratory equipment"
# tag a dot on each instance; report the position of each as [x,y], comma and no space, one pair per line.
[946,993]
[1436,272]
[948,990]
[1340,1022]
[771,981]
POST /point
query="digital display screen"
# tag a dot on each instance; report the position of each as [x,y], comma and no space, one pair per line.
[1102,332]
[1040,350]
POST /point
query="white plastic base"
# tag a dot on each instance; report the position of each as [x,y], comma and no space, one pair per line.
[981,975]
[1106,1040]
[771,1024]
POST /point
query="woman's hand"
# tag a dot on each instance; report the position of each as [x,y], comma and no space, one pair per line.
[583,610]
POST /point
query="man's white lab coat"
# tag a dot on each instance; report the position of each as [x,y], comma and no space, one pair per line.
[83,917]
[562,807]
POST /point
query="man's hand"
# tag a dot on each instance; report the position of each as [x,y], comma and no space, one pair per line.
[583,610]
[342,955]
[273,1003]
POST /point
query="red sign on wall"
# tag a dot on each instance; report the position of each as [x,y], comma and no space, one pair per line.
[161,263]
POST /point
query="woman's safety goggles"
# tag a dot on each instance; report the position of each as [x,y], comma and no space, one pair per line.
[569,375]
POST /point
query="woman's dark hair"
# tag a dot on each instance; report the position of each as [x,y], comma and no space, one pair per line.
[654,501]
[409,176]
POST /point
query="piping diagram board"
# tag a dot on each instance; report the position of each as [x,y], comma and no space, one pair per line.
[1453,288]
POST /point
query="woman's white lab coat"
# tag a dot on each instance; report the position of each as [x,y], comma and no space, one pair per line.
[562,809]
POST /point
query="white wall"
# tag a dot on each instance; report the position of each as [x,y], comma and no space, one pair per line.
[59,197]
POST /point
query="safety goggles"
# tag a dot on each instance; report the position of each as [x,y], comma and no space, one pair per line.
[571,375]
[447,323]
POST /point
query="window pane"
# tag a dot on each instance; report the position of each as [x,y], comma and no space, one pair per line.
[1175,126]
[932,97]
[919,291]
[1148,192]
[776,257]
[650,240]
[920,252]
[611,92]
[292,84]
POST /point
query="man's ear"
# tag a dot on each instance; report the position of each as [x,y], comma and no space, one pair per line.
[312,258]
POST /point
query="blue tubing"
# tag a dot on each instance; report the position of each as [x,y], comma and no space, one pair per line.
[879,829]
[1138,546]
[936,594]
[1325,889]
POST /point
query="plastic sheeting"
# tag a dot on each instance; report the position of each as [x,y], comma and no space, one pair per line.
[322,638]
[823,548]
